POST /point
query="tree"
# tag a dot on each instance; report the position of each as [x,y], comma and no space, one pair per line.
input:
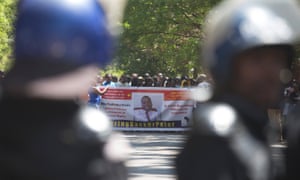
[159,36]
[7,17]
[163,36]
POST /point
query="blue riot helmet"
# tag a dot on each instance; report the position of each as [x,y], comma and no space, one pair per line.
[64,31]
[60,45]
[236,26]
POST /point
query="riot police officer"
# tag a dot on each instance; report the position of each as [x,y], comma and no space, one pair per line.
[248,49]
[293,137]
[44,134]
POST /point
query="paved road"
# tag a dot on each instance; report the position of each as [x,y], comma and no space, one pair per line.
[154,153]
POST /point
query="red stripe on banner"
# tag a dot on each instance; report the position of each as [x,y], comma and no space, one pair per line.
[176,95]
[170,94]
[114,93]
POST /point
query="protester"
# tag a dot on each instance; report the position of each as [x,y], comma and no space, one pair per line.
[99,80]
[44,133]
[134,79]
[123,81]
[95,95]
[108,80]
[114,79]
[185,82]
[291,95]
[171,82]
[140,81]
[177,82]
[290,99]
[248,44]
[159,80]
[148,81]
[202,82]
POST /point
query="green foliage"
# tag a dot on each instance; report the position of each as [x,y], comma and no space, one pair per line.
[163,36]
[112,69]
[159,36]
[7,16]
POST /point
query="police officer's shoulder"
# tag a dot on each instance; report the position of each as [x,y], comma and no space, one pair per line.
[216,119]
[92,125]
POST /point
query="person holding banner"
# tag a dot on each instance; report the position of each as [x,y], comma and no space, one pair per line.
[146,113]
[249,51]
[95,95]
[44,134]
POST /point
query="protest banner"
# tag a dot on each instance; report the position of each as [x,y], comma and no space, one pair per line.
[148,109]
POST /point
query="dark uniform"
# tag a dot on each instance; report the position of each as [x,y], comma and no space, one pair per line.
[48,139]
[293,141]
[44,133]
[248,47]
[235,149]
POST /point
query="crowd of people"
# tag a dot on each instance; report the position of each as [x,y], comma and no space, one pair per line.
[147,80]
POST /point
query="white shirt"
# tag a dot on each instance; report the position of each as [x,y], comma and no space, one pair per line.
[141,115]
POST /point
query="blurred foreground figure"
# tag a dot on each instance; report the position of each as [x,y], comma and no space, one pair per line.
[293,140]
[44,134]
[293,136]
[248,50]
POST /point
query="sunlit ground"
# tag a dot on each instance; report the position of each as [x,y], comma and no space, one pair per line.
[153,155]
